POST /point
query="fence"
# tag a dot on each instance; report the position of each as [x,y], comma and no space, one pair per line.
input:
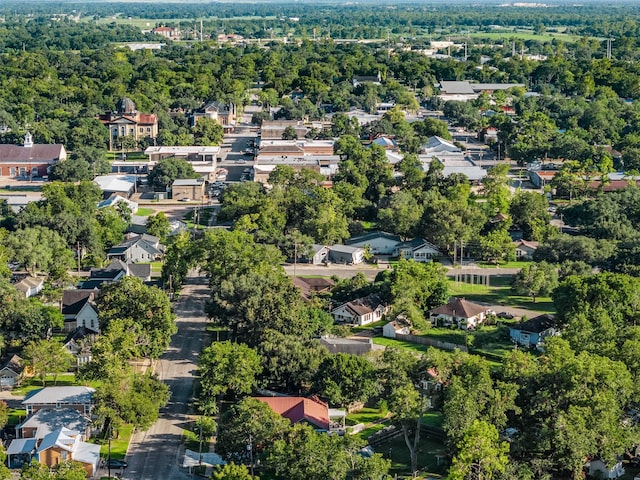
[431,342]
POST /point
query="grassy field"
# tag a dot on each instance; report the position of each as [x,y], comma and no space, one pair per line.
[499,293]
[145,212]
[401,462]
[433,419]
[522,35]
[392,342]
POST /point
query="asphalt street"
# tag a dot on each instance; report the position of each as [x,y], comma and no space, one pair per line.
[157,453]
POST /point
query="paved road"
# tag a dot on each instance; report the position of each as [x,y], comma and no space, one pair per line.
[156,453]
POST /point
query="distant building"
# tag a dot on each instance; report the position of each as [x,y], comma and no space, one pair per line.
[167,32]
[29,159]
[220,112]
[126,121]
[188,189]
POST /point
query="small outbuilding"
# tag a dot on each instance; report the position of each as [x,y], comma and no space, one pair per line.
[185,189]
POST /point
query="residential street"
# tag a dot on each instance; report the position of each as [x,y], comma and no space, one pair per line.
[156,453]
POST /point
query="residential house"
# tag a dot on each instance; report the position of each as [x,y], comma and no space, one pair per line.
[398,326]
[378,243]
[78,343]
[533,332]
[29,160]
[126,121]
[78,398]
[114,200]
[352,346]
[459,312]
[188,189]
[417,249]
[79,310]
[137,248]
[65,445]
[116,184]
[11,373]
[541,178]
[20,451]
[222,113]
[346,254]
[47,420]
[317,255]
[361,311]
[308,410]
[598,468]
[312,286]
[30,286]
[525,249]
[451,157]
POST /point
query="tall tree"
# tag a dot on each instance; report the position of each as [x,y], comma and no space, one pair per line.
[224,368]
[481,454]
[47,357]
[145,310]
[167,171]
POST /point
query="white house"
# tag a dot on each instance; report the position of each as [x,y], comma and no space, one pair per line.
[30,286]
[460,312]
[137,248]
[599,469]
[79,310]
[346,254]
[525,249]
[379,243]
[417,249]
[361,311]
[391,329]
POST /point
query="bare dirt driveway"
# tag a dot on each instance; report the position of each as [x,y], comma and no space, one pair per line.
[156,453]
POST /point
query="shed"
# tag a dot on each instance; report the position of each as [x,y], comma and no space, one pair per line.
[188,189]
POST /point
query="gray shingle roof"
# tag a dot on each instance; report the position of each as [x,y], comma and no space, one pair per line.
[62,395]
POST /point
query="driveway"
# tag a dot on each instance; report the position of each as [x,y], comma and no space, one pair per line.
[157,453]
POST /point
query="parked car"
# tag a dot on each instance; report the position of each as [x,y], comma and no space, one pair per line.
[115,463]
[505,315]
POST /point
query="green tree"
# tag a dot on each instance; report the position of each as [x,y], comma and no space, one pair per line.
[409,407]
[145,310]
[40,249]
[131,398]
[47,357]
[179,257]
[231,471]
[496,246]
[249,419]
[224,368]
[207,131]
[345,379]
[402,215]
[481,454]
[158,225]
[529,212]
[535,279]
[167,171]
[289,133]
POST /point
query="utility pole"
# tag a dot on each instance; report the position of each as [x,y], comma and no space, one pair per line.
[78,255]
[461,252]
[295,258]
[250,448]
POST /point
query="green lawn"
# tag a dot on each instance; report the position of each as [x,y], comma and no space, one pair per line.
[392,342]
[156,267]
[401,461]
[30,384]
[433,419]
[16,415]
[523,35]
[145,212]
[514,264]
[370,326]
[499,294]
[372,418]
[119,445]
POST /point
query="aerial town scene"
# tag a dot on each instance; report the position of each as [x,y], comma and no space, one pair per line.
[319,240]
